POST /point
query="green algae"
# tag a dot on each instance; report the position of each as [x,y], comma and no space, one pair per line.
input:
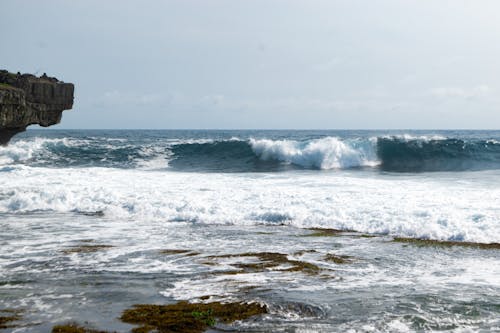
[188,317]
[74,328]
[86,248]
[206,317]
[439,243]
[268,260]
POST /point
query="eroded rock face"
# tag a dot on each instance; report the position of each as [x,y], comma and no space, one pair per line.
[28,100]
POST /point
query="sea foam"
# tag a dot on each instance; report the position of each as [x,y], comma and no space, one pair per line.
[324,153]
[411,206]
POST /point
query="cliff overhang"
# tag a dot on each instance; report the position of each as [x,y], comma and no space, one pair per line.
[26,100]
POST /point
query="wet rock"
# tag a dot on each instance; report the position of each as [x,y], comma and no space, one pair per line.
[188,317]
[432,242]
[267,261]
[86,248]
[321,232]
[338,259]
[8,317]
[188,253]
[74,328]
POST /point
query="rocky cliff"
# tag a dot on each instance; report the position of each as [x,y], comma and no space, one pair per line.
[28,100]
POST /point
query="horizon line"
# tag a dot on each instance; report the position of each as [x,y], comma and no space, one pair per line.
[263,129]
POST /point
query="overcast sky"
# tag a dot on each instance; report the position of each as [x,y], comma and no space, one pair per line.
[263,64]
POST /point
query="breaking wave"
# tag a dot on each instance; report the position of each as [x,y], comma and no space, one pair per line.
[447,211]
[388,153]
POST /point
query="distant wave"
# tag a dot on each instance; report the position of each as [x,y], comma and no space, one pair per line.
[401,154]
[388,153]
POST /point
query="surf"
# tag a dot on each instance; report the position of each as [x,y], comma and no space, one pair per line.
[258,153]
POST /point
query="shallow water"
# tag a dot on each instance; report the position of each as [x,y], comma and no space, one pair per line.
[57,191]
[387,286]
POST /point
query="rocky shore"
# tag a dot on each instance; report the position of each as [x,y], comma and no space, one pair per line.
[26,99]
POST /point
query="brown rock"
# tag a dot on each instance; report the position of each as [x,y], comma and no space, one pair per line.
[28,100]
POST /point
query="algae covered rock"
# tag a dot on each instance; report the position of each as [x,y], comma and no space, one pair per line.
[188,317]
[74,328]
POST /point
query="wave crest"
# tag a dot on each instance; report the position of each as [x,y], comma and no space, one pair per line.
[402,153]
[325,153]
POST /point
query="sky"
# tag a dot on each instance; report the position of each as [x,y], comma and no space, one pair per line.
[270,64]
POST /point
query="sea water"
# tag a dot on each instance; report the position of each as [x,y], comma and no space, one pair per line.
[231,192]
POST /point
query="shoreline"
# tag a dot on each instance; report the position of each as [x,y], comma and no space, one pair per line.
[204,311]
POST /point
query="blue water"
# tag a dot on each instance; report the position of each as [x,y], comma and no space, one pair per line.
[263,151]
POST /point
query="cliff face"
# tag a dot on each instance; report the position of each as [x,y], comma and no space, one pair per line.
[27,100]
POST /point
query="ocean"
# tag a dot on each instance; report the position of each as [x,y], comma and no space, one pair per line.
[95,221]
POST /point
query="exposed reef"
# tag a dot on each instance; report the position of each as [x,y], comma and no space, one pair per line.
[74,328]
[86,248]
[179,317]
[187,253]
[8,316]
[266,260]
[188,317]
[431,242]
[323,232]
[29,100]
[337,259]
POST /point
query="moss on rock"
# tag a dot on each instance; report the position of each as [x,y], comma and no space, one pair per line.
[321,232]
[432,242]
[6,86]
[268,260]
[74,328]
[188,317]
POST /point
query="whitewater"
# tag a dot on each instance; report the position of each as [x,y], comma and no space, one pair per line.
[214,192]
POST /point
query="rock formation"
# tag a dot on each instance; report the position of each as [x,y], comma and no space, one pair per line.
[28,100]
